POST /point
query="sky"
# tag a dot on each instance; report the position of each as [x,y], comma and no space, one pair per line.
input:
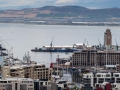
[93,4]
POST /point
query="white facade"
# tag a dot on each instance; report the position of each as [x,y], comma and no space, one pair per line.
[101,79]
[16,84]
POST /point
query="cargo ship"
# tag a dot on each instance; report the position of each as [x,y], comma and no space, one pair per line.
[56,49]
[51,48]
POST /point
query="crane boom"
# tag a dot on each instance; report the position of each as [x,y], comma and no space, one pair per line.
[99,42]
[51,42]
[84,41]
[116,41]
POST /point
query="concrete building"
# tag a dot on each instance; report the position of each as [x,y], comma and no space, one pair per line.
[109,55]
[32,71]
[16,84]
[118,67]
[101,79]
[43,84]
[107,39]
[95,58]
[60,85]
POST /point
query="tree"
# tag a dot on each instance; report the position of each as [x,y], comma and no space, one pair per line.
[75,88]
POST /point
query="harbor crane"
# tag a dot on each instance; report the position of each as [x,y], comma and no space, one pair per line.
[99,42]
[51,42]
[84,43]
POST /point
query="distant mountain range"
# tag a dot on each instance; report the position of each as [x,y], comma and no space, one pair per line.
[70,12]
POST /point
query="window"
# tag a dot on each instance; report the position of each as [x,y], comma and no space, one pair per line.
[116,75]
[107,79]
[30,88]
[41,83]
[23,87]
[100,81]
[9,81]
[5,81]
[117,81]
[107,75]
[8,87]
[98,75]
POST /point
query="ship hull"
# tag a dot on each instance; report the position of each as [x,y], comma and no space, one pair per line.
[69,50]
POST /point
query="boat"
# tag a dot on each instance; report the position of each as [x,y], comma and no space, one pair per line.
[51,48]
[56,49]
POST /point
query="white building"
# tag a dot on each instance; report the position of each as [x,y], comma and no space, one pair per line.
[16,84]
[101,79]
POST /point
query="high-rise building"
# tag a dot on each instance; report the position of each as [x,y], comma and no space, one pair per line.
[107,39]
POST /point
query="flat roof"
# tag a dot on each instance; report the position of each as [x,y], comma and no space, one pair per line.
[19,79]
[110,65]
[58,46]
[22,66]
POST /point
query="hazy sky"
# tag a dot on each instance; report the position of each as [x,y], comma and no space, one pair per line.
[40,3]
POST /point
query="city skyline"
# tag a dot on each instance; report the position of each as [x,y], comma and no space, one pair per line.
[92,4]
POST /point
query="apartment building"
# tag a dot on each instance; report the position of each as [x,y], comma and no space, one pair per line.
[95,58]
[101,79]
[32,71]
[16,84]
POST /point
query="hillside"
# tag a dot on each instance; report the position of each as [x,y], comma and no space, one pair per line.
[74,13]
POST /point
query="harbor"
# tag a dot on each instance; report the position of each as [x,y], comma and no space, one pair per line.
[60,68]
[65,49]
[60,45]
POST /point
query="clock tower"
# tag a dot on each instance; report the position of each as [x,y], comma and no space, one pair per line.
[108,38]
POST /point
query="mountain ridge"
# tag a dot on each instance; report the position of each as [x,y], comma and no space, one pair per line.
[72,12]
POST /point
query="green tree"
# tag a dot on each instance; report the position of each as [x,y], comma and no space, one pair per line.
[75,88]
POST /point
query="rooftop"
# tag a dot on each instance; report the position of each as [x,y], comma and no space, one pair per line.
[17,79]
[22,66]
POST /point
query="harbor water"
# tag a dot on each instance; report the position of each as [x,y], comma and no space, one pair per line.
[19,39]
[23,38]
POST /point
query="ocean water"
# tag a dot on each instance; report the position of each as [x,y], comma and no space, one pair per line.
[24,37]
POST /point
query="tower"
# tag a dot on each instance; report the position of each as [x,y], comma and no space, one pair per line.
[107,39]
